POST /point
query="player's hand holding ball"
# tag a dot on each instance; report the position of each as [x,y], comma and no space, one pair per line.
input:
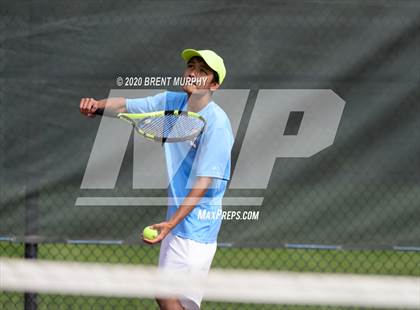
[149,233]
[155,233]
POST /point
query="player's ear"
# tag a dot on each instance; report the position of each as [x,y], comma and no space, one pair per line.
[214,86]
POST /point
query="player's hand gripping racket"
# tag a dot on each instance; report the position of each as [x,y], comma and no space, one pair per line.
[165,126]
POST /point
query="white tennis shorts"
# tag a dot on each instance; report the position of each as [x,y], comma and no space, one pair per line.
[182,254]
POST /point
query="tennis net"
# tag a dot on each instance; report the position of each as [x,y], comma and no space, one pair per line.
[239,286]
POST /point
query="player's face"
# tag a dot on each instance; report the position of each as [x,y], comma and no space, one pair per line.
[197,68]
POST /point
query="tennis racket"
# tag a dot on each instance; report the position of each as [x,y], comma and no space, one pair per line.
[165,126]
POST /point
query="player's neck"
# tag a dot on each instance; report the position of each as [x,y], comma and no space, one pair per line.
[197,102]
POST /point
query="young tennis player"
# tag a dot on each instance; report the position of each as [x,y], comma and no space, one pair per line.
[198,172]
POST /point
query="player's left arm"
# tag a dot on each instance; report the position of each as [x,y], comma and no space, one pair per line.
[199,189]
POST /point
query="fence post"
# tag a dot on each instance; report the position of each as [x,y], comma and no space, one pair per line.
[31,245]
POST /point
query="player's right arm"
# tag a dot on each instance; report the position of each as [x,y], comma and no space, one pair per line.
[88,106]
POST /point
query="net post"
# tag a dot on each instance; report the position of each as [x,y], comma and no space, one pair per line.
[31,246]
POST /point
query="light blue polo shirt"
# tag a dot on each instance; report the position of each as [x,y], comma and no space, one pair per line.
[208,156]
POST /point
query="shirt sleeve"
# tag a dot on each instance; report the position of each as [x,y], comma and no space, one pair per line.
[146,104]
[213,158]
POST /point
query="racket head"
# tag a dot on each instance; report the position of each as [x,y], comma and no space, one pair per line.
[167,126]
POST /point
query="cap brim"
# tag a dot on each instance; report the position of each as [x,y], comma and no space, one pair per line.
[189,53]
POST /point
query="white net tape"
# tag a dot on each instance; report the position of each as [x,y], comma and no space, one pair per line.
[220,285]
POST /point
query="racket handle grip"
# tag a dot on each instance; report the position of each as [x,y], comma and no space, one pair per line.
[99,111]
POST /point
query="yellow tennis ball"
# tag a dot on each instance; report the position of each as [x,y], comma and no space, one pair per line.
[150,233]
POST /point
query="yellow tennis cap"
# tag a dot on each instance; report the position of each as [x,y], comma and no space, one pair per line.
[213,60]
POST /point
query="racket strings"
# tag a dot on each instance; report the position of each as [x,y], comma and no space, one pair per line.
[171,126]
